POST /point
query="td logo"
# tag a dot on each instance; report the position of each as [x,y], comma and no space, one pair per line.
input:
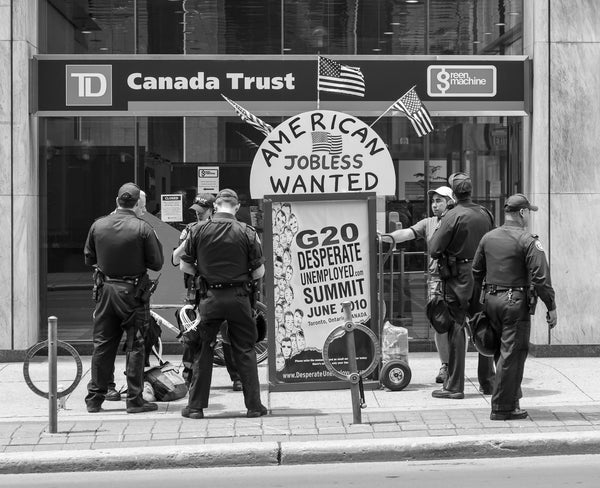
[88,84]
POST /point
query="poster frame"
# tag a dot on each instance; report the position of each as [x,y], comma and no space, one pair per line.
[370,200]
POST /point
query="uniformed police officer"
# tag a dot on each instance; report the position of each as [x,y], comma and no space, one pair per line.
[203,208]
[510,259]
[227,254]
[454,244]
[122,246]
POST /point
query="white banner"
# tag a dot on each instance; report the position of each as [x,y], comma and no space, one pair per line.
[322,152]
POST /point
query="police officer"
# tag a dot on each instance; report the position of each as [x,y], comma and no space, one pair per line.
[510,260]
[203,208]
[122,246]
[454,244]
[227,254]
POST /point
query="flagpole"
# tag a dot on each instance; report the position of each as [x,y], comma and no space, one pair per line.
[318,71]
[386,111]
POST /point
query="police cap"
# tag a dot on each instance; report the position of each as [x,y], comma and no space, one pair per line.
[516,202]
[203,200]
[227,195]
[129,192]
[438,314]
[483,335]
[460,182]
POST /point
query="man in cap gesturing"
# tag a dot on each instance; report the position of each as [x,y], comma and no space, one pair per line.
[511,261]
[454,243]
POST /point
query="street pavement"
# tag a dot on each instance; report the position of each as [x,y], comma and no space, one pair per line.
[562,396]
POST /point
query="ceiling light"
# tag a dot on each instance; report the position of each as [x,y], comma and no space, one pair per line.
[487,33]
[388,33]
[411,1]
[476,42]
[514,13]
[86,31]
[103,49]
[287,48]
[500,24]
[394,23]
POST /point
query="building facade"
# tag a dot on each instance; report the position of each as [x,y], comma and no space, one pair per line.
[61,164]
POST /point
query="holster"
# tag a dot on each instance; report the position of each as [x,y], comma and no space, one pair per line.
[447,267]
[532,299]
[98,278]
[144,287]
[254,292]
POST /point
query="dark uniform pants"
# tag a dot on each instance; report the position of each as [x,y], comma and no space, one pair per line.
[233,305]
[458,291]
[189,349]
[118,311]
[510,318]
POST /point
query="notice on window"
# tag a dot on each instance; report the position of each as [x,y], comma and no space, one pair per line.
[208,179]
[171,208]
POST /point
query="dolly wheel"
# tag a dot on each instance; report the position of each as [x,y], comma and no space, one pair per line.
[395,375]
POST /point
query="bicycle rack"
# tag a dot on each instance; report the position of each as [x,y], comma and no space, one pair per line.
[354,377]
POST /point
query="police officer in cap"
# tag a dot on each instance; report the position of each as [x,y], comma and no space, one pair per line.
[227,255]
[510,263]
[454,244]
[203,208]
[122,246]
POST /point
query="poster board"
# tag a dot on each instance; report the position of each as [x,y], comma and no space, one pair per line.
[320,251]
[171,207]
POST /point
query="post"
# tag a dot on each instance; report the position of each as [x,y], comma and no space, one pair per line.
[352,366]
[52,380]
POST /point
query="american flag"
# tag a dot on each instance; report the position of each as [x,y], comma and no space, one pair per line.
[324,141]
[411,105]
[246,116]
[339,78]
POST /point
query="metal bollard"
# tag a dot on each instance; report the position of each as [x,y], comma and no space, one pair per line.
[52,374]
[354,376]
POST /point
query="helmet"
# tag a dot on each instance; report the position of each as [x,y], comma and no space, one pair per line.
[484,337]
[188,318]
[438,314]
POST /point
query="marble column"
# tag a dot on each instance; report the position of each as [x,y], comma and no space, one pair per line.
[19,185]
[563,39]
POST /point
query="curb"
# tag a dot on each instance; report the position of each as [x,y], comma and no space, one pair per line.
[159,457]
[311,452]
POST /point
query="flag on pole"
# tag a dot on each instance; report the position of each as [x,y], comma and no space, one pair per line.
[246,116]
[324,141]
[411,105]
[247,141]
[339,78]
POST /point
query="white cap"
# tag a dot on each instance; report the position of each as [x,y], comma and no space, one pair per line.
[444,191]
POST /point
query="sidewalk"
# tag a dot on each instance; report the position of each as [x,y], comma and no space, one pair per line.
[562,396]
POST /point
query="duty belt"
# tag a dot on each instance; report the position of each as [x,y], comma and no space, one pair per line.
[219,286]
[131,280]
[496,289]
[464,260]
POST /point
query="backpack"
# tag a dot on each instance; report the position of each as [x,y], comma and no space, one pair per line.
[167,383]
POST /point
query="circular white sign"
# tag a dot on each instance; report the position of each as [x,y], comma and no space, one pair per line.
[322,152]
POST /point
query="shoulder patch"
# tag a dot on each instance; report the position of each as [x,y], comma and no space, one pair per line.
[538,245]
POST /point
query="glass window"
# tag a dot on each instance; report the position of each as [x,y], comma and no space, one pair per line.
[406,27]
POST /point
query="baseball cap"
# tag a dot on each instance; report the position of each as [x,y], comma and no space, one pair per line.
[460,182]
[129,192]
[517,202]
[444,191]
[228,196]
[202,200]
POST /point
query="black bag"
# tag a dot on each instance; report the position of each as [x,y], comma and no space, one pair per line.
[166,381]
